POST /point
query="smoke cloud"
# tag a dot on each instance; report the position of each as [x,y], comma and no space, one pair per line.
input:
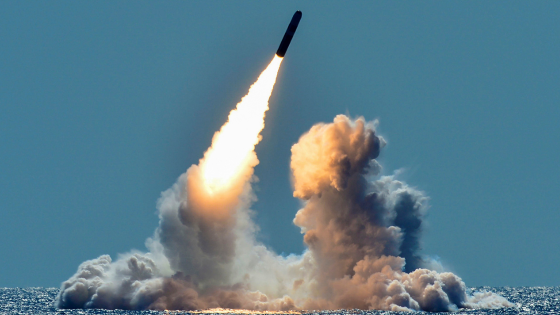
[362,232]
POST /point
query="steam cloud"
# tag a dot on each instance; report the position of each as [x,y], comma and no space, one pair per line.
[362,233]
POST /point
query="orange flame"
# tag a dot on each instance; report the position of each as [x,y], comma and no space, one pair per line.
[233,145]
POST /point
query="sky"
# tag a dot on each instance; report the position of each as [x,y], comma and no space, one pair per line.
[104,104]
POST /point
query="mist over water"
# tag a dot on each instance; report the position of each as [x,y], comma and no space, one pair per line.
[526,300]
[362,232]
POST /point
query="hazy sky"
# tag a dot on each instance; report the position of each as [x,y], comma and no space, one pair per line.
[104,104]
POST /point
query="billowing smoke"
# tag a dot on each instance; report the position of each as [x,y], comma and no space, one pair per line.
[362,232]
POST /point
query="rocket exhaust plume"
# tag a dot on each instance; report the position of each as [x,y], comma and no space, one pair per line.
[362,231]
[233,146]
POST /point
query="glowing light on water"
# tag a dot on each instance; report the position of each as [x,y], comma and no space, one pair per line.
[241,311]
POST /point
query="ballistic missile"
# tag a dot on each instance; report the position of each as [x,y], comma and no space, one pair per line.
[289,34]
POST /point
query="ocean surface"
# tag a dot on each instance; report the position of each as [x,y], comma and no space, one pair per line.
[528,300]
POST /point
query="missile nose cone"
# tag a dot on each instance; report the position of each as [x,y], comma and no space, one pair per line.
[289,34]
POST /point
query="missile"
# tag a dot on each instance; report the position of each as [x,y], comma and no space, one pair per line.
[288,35]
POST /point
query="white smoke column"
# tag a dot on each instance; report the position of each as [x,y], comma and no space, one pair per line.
[201,219]
[217,192]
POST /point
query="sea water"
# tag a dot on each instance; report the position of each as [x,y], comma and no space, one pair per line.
[527,300]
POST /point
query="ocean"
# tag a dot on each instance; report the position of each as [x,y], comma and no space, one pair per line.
[528,300]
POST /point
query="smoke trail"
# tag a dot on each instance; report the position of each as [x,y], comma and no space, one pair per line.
[362,235]
[204,218]
[216,191]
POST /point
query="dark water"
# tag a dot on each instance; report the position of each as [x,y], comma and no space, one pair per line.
[528,300]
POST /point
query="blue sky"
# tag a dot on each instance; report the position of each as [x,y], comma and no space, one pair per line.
[104,104]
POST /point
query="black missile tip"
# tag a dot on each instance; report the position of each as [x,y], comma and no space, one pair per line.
[289,34]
